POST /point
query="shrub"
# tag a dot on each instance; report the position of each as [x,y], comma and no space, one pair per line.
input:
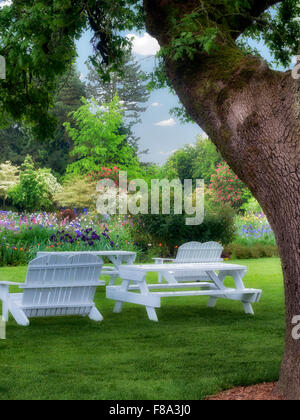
[35,189]
[78,193]
[227,187]
[20,245]
[49,180]
[9,177]
[105,173]
[150,246]
[240,251]
[171,230]
[252,206]
[13,255]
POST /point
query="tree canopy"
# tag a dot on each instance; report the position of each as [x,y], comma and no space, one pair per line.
[17,141]
[196,161]
[96,137]
[38,41]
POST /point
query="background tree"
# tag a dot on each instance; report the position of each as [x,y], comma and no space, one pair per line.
[9,177]
[193,161]
[13,143]
[70,91]
[97,142]
[180,165]
[129,83]
[249,111]
[205,160]
[17,141]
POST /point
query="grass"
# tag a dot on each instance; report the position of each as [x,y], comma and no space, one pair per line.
[190,353]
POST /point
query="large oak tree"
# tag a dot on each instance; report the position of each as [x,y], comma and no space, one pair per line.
[250,111]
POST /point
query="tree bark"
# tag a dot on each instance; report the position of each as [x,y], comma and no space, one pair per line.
[252,114]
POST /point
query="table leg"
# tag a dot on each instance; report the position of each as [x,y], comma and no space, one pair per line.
[112,279]
[248,308]
[170,277]
[119,305]
[117,261]
[150,310]
[151,314]
[213,300]
[129,260]
[238,279]
[160,277]
[4,296]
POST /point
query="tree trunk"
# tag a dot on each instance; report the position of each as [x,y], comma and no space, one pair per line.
[251,113]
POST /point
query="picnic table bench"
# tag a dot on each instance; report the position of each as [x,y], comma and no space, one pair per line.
[134,280]
[193,252]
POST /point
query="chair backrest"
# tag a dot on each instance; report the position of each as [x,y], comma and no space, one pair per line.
[198,252]
[58,280]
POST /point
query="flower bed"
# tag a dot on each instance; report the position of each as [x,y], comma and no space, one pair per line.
[22,236]
[254,238]
[254,228]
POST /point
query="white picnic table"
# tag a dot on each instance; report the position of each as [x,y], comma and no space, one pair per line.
[134,279]
[117,258]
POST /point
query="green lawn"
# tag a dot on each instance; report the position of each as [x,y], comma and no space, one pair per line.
[190,353]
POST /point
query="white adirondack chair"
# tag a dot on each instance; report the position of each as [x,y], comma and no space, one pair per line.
[193,252]
[55,286]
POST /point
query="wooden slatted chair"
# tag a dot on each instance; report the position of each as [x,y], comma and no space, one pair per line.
[193,252]
[55,286]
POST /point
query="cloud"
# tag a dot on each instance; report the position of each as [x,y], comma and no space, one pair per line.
[82,77]
[5,3]
[155,104]
[166,123]
[144,45]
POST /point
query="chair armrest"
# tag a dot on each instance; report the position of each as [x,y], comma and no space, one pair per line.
[10,283]
[4,289]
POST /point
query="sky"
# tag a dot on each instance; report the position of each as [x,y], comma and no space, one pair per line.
[159,132]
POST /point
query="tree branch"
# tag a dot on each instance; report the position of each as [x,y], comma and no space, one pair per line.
[241,22]
[237,22]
